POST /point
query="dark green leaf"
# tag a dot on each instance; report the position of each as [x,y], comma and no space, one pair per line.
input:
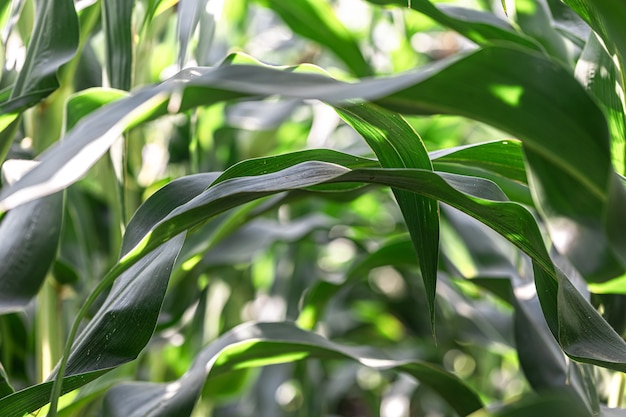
[49,48]
[124,323]
[29,238]
[535,19]
[117,27]
[5,386]
[547,404]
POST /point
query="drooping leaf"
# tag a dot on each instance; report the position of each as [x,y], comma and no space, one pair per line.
[596,70]
[546,110]
[573,200]
[480,27]
[250,345]
[509,219]
[116,334]
[397,145]
[29,236]
[5,386]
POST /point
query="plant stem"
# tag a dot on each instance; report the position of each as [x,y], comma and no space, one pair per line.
[49,330]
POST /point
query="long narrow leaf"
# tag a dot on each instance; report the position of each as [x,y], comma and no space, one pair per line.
[117,23]
[263,344]
[397,145]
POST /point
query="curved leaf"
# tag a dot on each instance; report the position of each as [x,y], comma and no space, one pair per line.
[314,19]
[479,27]
[189,12]
[518,91]
[397,145]
[49,48]
[29,238]
[268,343]
[509,219]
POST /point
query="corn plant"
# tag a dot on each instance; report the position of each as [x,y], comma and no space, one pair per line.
[312,207]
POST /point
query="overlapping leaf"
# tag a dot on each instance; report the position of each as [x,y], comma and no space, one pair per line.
[546,111]
[397,145]
[509,219]
[479,27]
[49,48]
[116,334]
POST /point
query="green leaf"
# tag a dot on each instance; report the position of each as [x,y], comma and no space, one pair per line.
[581,334]
[29,238]
[535,19]
[49,48]
[397,145]
[160,204]
[509,219]
[503,157]
[314,19]
[596,71]
[122,326]
[124,323]
[189,12]
[547,404]
[541,104]
[606,18]
[84,102]
[5,386]
[117,27]
[251,345]
[536,100]
[479,27]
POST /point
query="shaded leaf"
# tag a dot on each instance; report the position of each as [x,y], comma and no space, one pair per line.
[124,323]
[49,48]
[117,27]
[535,19]
[548,404]
[29,236]
[5,386]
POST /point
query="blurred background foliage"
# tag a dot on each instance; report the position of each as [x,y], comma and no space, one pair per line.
[339,263]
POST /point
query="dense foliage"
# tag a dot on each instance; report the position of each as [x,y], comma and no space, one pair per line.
[312,207]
